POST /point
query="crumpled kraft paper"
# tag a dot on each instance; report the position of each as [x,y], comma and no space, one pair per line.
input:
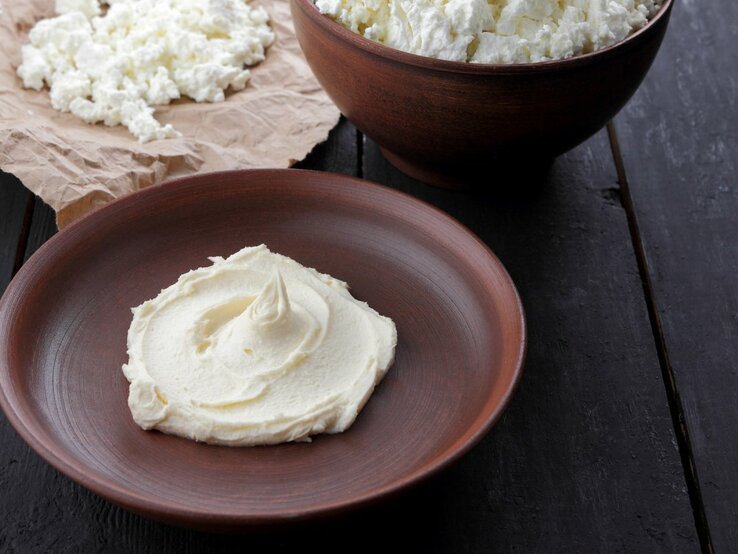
[76,167]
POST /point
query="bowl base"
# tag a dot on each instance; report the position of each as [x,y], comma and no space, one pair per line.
[429,176]
[520,173]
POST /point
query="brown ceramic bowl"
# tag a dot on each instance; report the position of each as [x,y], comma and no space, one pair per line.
[446,123]
[64,318]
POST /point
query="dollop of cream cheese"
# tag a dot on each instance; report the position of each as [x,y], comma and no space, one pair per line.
[254,349]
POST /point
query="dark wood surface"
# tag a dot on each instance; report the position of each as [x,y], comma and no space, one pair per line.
[590,420]
[679,147]
[621,437]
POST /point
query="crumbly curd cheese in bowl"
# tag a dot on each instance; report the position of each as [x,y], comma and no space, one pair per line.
[493,31]
[254,349]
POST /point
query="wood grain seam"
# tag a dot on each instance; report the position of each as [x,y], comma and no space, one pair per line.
[20,249]
[676,408]
[360,138]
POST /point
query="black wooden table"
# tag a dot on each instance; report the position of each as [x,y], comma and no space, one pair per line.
[623,436]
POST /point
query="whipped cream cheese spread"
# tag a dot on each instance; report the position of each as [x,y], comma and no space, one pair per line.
[254,349]
[114,67]
[493,31]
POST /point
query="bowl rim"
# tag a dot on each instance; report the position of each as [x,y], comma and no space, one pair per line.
[23,420]
[399,56]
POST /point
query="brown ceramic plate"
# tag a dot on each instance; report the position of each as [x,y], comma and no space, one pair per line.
[64,318]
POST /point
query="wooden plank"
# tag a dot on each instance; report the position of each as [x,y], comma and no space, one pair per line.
[339,154]
[585,458]
[15,205]
[43,227]
[679,145]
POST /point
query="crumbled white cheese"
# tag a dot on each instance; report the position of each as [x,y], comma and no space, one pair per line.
[90,8]
[493,31]
[114,68]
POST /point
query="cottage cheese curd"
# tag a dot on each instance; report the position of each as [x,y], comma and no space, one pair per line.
[254,349]
[114,67]
[493,31]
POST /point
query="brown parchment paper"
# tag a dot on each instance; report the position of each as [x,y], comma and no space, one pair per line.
[75,167]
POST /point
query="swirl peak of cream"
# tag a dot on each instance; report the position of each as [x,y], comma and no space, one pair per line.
[254,349]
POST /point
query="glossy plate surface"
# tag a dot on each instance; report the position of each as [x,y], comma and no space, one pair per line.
[64,319]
